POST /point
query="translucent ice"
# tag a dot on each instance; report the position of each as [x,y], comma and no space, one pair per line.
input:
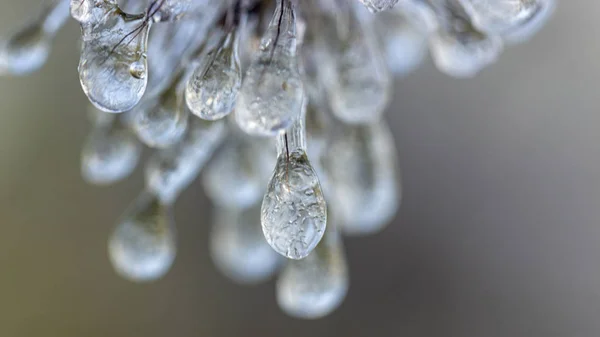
[142,247]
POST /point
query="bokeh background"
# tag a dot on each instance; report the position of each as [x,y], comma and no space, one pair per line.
[498,234]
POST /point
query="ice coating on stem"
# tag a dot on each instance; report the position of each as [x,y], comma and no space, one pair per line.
[161,121]
[213,88]
[113,65]
[316,285]
[294,212]
[238,247]
[143,246]
[271,95]
[27,49]
[362,169]
[110,153]
[169,171]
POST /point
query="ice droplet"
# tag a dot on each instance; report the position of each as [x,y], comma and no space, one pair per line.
[161,121]
[213,88]
[169,171]
[110,154]
[499,16]
[294,212]
[379,5]
[238,247]
[112,48]
[27,49]
[362,170]
[316,285]
[142,247]
[271,95]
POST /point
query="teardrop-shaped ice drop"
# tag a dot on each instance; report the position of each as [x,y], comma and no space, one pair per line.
[113,66]
[294,212]
[110,154]
[213,88]
[499,16]
[459,49]
[161,121]
[238,247]
[528,28]
[142,247]
[169,171]
[355,73]
[361,163]
[27,50]
[379,5]
[315,286]
[271,95]
[405,31]
[233,178]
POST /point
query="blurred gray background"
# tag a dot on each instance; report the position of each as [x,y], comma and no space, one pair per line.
[498,234]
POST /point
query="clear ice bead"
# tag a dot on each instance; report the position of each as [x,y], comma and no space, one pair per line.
[161,121]
[113,66]
[355,72]
[500,16]
[169,171]
[316,285]
[238,247]
[212,90]
[270,98]
[530,27]
[459,49]
[362,169]
[110,153]
[294,212]
[27,50]
[233,178]
[379,5]
[143,245]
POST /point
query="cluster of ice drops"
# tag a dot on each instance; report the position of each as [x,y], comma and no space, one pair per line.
[234,88]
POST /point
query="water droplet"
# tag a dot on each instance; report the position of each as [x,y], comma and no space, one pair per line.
[169,171]
[361,164]
[294,213]
[458,49]
[379,5]
[213,88]
[110,153]
[27,49]
[113,47]
[238,247]
[161,121]
[271,95]
[316,285]
[142,247]
[354,68]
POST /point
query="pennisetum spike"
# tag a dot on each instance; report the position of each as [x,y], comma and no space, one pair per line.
[362,171]
[27,50]
[142,247]
[294,212]
[316,285]
[238,248]
[110,153]
[271,95]
[212,90]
